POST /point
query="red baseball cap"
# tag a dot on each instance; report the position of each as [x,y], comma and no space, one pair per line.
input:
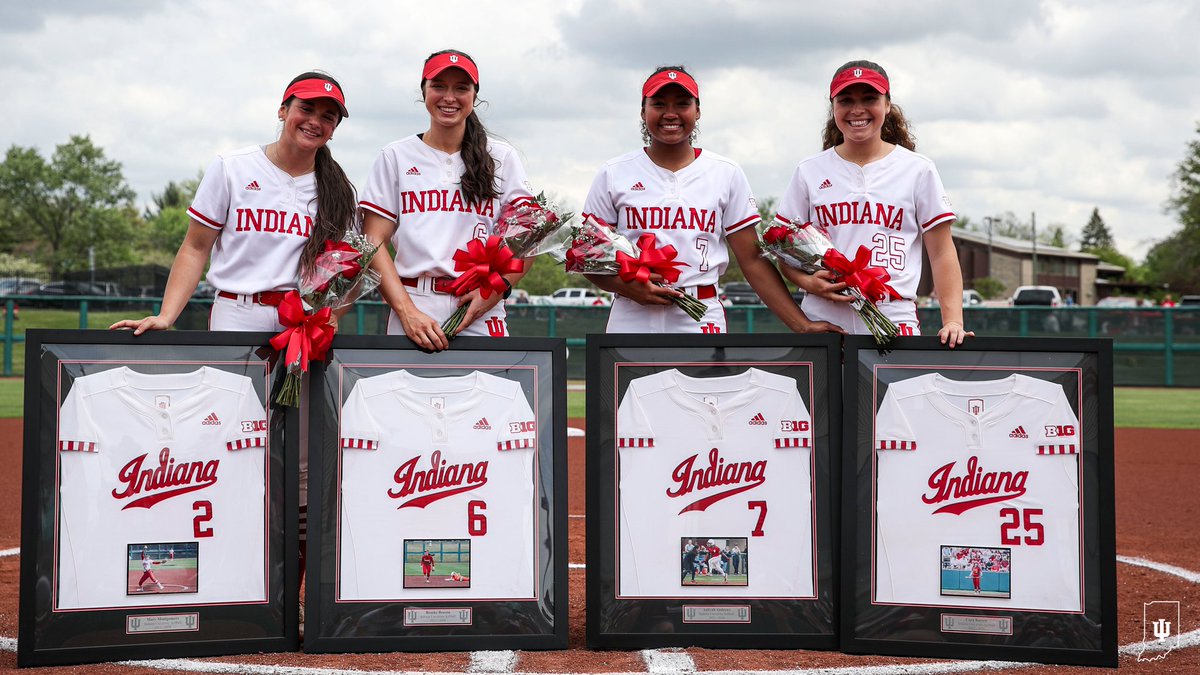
[441,62]
[851,76]
[659,80]
[317,88]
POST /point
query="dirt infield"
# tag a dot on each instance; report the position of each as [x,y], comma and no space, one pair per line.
[1158,508]
[173,580]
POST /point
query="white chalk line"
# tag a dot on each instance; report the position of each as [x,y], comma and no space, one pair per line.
[497,661]
[10,552]
[673,660]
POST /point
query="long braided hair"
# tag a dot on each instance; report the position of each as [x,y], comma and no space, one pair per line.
[479,172]
[337,201]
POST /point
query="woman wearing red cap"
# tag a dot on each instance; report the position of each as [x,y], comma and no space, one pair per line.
[261,213]
[869,188]
[694,200]
[430,194]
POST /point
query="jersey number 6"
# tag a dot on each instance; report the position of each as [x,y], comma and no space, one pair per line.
[476,521]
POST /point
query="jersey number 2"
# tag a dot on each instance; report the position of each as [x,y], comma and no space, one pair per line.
[199,529]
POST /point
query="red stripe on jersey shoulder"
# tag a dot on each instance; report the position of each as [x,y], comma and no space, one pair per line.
[377,209]
[781,219]
[360,443]
[204,220]
[635,442]
[1057,449]
[792,442]
[243,443]
[516,444]
[896,445]
[77,446]
[520,201]
[938,220]
[743,222]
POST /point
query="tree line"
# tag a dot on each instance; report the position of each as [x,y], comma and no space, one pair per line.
[74,210]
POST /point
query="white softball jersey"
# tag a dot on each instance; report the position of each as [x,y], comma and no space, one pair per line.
[692,209]
[417,187]
[437,458]
[885,206]
[157,458]
[725,457]
[264,216]
[990,463]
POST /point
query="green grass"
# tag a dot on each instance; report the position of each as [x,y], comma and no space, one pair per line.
[1157,408]
[575,407]
[59,319]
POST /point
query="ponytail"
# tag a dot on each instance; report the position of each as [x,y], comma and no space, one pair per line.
[479,167]
[336,205]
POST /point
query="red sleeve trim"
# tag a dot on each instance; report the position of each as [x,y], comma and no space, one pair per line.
[742,223]
[204,220]
[937,220]
[377,209]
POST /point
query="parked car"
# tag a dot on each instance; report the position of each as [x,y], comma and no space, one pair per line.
[1118,301]
[1036,295]
[971,298]
[19,286]
[578,297]
[740,293]
[1189,301]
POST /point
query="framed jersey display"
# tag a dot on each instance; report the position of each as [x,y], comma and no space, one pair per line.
[711,490]
[159,498]
[978,515]
[437,497]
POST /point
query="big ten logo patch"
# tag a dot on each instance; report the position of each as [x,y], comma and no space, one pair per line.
[251,426]
[522,427]
[794,425]
[1058,430]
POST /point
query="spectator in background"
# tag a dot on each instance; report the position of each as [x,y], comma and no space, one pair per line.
[1168,301]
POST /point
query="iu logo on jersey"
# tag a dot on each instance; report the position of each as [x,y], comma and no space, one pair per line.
[151,485]
[495,326]
[439,481]
[737,476]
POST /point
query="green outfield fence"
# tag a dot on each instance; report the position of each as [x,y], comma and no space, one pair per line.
[1153,346]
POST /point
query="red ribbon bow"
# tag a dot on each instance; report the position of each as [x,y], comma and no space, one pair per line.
[307,336]
[871,281]
[650,260]
[482,264]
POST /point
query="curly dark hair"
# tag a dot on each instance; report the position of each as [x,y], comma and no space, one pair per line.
[895,125]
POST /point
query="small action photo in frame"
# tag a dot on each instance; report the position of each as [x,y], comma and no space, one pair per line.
[163,567]
[437,563]
[714,561]
[981,571]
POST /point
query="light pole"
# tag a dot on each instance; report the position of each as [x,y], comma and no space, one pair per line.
[988,220]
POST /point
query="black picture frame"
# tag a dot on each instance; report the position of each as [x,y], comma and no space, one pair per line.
[371,613]
[1027,568]
[83,618]
[782,610]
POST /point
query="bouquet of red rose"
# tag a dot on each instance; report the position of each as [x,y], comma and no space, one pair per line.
[340,276]
[596,248]
[524,229]
[808,248]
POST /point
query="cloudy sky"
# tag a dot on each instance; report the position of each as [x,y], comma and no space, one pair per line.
[1051,107]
